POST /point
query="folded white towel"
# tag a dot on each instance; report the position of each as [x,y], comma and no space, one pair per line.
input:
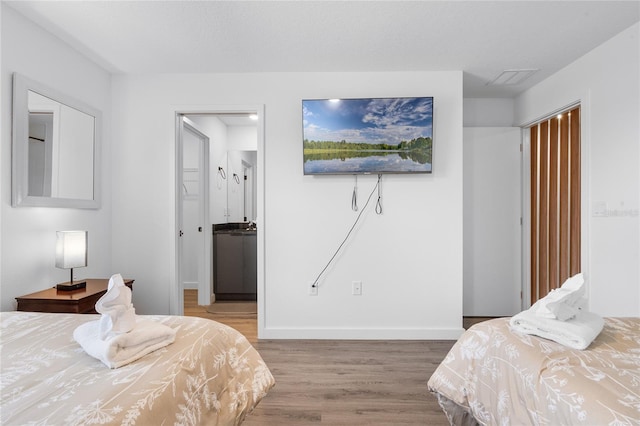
[577,332]
[564,302]
[122,349]
[118,314]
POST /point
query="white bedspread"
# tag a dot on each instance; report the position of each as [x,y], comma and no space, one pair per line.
[210,375]
[501,377]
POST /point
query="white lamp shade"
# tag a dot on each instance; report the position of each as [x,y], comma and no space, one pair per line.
[71,249]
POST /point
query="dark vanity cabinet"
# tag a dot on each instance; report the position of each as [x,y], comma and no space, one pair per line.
[234,262]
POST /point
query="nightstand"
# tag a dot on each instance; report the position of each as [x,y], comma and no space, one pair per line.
[81,301]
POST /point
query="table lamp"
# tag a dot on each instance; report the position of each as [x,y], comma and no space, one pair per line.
[71,252]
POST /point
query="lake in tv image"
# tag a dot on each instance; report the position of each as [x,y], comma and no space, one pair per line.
[371,135]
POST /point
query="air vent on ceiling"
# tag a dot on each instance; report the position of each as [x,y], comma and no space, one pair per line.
[512,77]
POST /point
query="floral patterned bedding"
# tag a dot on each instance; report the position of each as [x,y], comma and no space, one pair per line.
[501,377]
[210,375]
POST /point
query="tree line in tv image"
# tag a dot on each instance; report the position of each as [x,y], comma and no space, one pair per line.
[417,151]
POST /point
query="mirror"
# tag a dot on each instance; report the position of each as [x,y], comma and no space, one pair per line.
[241,189]
[55,148]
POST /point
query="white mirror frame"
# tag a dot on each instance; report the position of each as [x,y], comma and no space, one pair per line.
[20,155]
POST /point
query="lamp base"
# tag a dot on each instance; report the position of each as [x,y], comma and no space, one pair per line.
[75,285]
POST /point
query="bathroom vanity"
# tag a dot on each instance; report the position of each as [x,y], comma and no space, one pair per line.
[234,261]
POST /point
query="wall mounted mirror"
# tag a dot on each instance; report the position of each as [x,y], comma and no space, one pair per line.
[241,187]
[56,148]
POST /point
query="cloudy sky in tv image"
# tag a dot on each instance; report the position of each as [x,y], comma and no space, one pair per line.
[379,120]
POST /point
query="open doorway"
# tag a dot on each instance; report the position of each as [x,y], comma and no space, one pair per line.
[235,151]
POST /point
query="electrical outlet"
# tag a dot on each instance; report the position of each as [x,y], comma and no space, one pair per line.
[356,288]
[313,289]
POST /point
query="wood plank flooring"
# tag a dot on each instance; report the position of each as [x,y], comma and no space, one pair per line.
[338,382]
[245,324]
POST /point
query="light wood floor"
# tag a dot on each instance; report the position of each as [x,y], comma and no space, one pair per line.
[337,382]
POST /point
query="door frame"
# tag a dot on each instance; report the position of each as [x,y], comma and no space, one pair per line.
[176,299]
[585,200]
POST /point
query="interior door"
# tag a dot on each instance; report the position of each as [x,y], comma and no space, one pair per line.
[492,232]
[194,247]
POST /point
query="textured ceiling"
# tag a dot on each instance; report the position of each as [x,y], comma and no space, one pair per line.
[480,38]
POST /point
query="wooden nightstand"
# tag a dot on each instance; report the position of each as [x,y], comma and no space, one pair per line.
[82,301]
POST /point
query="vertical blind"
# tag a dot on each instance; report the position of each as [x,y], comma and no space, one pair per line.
[555,201]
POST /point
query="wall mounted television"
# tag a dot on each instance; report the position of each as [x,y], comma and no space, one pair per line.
[367,135]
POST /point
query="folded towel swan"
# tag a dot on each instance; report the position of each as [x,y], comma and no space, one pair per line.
[118,337]
[118,313]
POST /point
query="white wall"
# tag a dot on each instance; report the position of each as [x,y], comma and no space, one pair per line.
[243,138]
[607,83]
[409,259]
[488,112]
[28,233]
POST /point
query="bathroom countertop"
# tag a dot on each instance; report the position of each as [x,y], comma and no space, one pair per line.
[232,228]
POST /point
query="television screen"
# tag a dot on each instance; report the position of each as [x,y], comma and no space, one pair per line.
[367,136]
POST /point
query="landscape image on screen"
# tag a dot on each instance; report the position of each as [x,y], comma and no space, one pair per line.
[372,135]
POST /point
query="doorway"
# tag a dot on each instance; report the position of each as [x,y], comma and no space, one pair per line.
[220,175]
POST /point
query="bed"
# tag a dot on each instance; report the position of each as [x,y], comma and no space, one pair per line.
[496,376]
[210,375]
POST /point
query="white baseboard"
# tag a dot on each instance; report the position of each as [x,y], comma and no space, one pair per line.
[361,334]
[190,285]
